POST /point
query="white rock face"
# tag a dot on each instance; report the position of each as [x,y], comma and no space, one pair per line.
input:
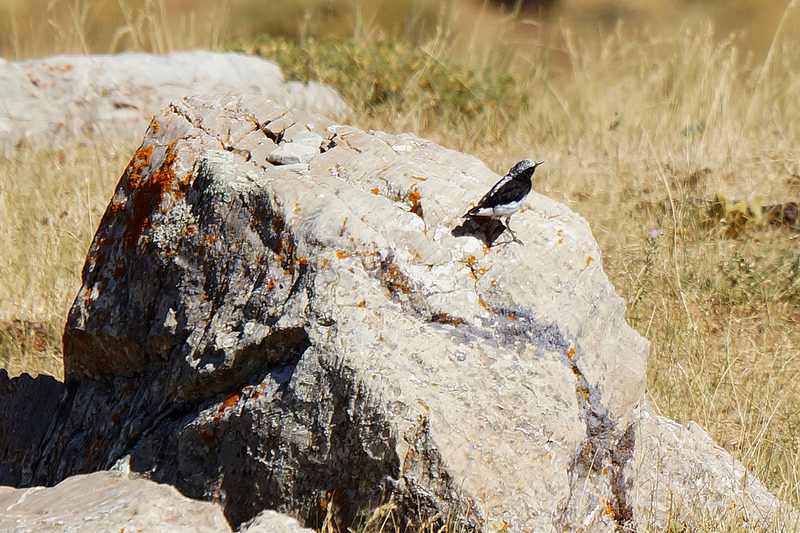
[118,94]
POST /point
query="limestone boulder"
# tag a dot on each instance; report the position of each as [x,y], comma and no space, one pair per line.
[282,312]
[360,348]
[116,95]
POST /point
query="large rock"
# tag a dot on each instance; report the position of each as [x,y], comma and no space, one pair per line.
[322,334]
[117,95]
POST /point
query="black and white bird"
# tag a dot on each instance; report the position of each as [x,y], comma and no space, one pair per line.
[507,195]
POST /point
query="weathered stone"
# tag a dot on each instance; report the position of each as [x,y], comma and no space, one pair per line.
[678,475]
[320,337]
[291,153]
[112,501]
[322,288]
[103,502]
[272,522]
[118,94]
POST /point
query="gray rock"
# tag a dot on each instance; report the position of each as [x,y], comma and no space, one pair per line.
[292,153]
[106,501]
[117,95]
[27,407]
[679,475]
[319,338]
[113,501]
[273,522]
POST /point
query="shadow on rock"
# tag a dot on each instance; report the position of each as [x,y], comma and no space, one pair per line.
[488,230]
[29,403]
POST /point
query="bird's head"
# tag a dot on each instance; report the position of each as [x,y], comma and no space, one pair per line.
[526,167]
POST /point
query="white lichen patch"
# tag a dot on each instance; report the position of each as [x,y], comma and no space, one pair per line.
[172,225]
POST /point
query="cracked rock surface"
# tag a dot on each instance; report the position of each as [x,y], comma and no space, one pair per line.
[311,334]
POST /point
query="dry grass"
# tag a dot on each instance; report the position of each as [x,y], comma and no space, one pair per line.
[636,127]
[50,204]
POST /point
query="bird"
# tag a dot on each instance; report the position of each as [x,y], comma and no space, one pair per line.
[507,195]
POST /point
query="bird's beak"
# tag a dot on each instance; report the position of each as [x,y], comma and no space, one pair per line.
[537,163]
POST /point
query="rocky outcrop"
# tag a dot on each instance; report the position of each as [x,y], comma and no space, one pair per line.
[281,312]
[111,501]
[117,95]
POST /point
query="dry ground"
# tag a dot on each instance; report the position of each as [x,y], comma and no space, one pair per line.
[641,130]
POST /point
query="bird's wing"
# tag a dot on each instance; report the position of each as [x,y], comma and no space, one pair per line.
[494,190]
[505,192]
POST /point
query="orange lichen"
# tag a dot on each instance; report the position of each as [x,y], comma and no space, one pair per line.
[416,207]
[444,318]
[571,353]
[584,392]
[376,191]
[231,401]
[147,191]
[589,260]
[139,162]
[395,280]
[341,254]
[270,284]
[418,178]
[609,509]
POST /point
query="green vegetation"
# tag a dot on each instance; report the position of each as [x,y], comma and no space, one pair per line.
[383,78]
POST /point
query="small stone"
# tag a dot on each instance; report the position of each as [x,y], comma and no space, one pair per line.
[291,153]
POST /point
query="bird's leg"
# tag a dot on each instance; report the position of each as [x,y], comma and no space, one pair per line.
[513,233]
